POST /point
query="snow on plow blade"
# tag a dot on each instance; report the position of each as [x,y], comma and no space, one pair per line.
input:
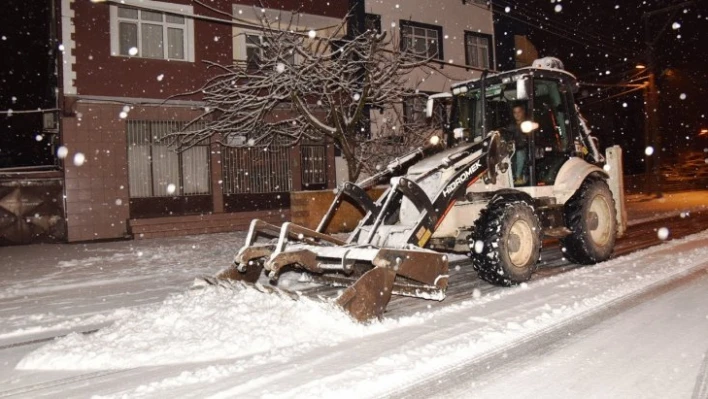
[370,274]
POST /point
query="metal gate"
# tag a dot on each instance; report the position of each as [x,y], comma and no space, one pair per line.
[31,208]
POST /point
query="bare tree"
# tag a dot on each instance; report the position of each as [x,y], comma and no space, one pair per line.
[315,86]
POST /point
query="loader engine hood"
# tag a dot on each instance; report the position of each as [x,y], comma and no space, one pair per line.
[442,157]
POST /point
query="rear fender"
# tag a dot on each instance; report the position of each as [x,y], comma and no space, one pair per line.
[510,195]
[571,176]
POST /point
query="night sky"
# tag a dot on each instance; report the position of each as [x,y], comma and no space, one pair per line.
[26,81]
[602,42]
[592,37]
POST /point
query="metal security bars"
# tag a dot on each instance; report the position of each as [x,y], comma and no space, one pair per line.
[254,170]
[157,170]
[314,166]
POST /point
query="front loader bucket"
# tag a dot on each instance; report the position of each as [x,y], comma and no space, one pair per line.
[370,274]
[250,275]
[368,296]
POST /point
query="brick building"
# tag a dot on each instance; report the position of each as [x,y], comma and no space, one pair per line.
[120,61]
[120,65]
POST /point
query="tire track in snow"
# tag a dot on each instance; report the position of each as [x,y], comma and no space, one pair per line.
[538,343]
[700,391]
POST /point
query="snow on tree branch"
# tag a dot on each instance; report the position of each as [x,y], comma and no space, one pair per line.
[317,86]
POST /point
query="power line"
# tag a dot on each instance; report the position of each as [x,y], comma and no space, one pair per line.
[28,111]
[616,95]
[562,27]
[567,38]
[553,29]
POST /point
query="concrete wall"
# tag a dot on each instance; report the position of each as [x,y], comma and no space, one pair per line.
[454,17]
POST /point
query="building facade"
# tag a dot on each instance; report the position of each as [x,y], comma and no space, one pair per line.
[128,72]
[125,68]
[457,36]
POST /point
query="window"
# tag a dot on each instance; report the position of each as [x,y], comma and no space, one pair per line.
[157,170]
[314,166]
[551,113]
[255,45]
[255,170]
[421,40]
[478,52]
[414,111]
[372,22]
[152,33]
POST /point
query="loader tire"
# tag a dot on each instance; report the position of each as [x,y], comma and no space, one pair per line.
[506,243]
[591,217]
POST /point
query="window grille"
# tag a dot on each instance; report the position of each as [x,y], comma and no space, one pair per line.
[252,170]
[157,170]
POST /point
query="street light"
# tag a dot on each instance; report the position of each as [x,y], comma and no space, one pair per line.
[640,66]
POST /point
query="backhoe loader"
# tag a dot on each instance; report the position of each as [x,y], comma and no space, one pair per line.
[514,164]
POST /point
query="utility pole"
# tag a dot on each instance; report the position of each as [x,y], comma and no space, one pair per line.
[651,103]
[652,135]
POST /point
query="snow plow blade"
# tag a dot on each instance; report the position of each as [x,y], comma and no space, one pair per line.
[370,274]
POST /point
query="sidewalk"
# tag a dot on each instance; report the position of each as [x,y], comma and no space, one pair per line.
[643,208]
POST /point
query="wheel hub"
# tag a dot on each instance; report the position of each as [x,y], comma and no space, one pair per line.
[599,220]
[519,243]
[514,243]
[593,221]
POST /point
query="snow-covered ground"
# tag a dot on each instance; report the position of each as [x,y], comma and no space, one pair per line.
[157,338]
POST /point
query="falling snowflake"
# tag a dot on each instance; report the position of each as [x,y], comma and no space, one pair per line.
[133,51]
[663,233]
[171,188]
[682,96]
[311,34]
[79,159]
[558,8]
[62,152]
[649,150]
[675,26]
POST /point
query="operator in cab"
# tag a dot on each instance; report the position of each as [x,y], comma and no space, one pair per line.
[520,159]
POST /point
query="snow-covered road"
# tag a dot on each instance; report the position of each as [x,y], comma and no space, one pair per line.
[244,343]
[655,347]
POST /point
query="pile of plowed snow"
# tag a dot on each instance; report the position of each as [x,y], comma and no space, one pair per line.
[209,324]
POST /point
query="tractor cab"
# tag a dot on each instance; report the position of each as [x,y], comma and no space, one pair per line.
[532,109]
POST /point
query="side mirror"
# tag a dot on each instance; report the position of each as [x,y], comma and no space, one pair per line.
[523,88]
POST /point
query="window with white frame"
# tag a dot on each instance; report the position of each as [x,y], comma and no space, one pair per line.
[255,45]
[421,40]
[157,170]
[152,32]
[478,51]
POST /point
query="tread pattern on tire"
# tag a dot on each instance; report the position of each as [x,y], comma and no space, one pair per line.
[487,229]
[576,246]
